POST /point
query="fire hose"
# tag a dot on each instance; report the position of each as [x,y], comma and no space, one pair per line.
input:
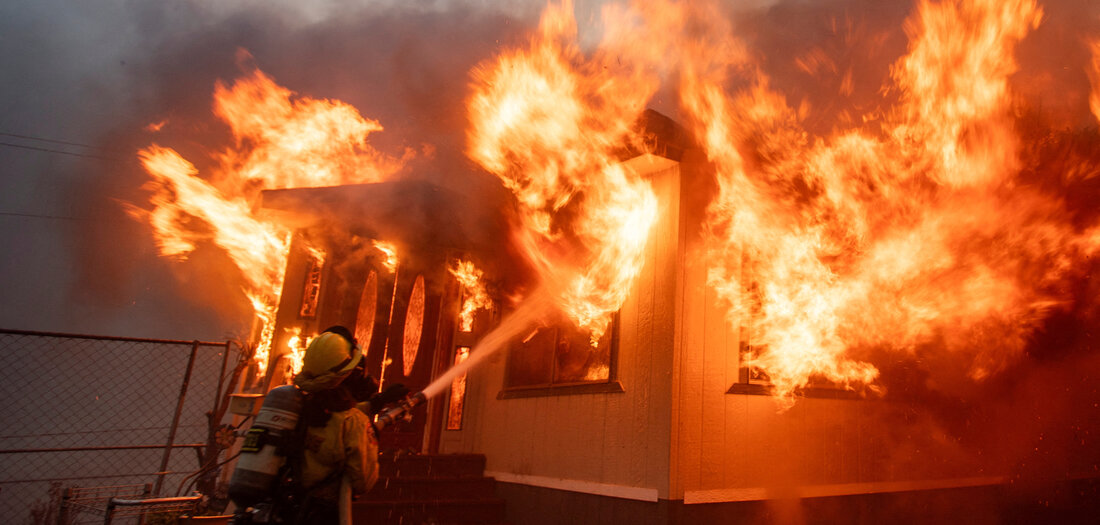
[402,411]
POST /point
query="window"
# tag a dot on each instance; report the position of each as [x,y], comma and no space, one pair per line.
[414,326]
[561,359]
[457,400]
[368,307]
[754,381]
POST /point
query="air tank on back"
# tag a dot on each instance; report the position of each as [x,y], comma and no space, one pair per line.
[263,453]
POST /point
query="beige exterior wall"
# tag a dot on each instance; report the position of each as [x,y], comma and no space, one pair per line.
[675,433]
[609,443]
[735,447]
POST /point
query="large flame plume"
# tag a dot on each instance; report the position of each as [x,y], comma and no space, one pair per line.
[905,233]
[282,140]
[547,120]
[909,230]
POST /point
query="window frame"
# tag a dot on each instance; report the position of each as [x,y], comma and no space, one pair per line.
[748,381]
[610,385]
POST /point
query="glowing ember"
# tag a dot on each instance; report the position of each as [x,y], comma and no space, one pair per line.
[474,297]
[281,141]
[547,120]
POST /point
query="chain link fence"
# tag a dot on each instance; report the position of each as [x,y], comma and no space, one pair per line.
[79,410]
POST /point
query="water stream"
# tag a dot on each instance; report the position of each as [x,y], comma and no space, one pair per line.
[515,323]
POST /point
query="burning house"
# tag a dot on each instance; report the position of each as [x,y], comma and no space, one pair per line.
[662,410]
[667,321]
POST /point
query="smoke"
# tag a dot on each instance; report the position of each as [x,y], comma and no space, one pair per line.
[832,58]
[99,74]
[102,75]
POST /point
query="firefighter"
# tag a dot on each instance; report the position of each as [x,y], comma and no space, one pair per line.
[338,438]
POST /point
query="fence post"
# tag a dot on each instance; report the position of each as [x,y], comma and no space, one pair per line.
[163,471]
[63,512]
[221,377]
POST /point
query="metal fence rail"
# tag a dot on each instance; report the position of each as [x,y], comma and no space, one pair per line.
[84,410]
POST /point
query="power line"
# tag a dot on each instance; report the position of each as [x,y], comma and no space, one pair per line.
[83,432]
[47,150]
[36,216]
[53,141]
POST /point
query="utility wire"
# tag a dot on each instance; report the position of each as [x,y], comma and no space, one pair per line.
[47,150]
[54,141]
[54,434]
[37,216]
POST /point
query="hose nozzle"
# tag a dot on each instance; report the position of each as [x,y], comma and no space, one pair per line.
[403,410]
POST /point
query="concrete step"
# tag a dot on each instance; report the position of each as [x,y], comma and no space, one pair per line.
[406,488]
[444,489]
[431,466]
[435,512]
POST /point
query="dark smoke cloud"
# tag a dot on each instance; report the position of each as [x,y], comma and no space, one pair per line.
[99,74]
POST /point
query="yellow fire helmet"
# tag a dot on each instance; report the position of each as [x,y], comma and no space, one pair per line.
[328,360]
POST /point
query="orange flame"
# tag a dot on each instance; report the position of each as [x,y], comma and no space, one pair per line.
[281,141]
[257,248]
[899,238]
[389,250]
[547,121]
[474,296]
[296,347]
[955,82]
[295,142]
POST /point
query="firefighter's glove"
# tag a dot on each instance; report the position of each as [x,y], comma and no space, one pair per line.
[360,386]
[391,394]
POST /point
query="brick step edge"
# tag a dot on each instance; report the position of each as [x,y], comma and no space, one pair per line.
[423,503]
[437,512]
[432,479]
[442,465]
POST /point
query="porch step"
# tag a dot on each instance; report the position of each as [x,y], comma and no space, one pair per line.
[446,489]
[431,466]
[429,489]
[435,512]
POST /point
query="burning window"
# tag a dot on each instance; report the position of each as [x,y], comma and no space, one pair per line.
[561,355]
[458,392]
[368,306]
[752,379]
[311,294]
[414,325]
